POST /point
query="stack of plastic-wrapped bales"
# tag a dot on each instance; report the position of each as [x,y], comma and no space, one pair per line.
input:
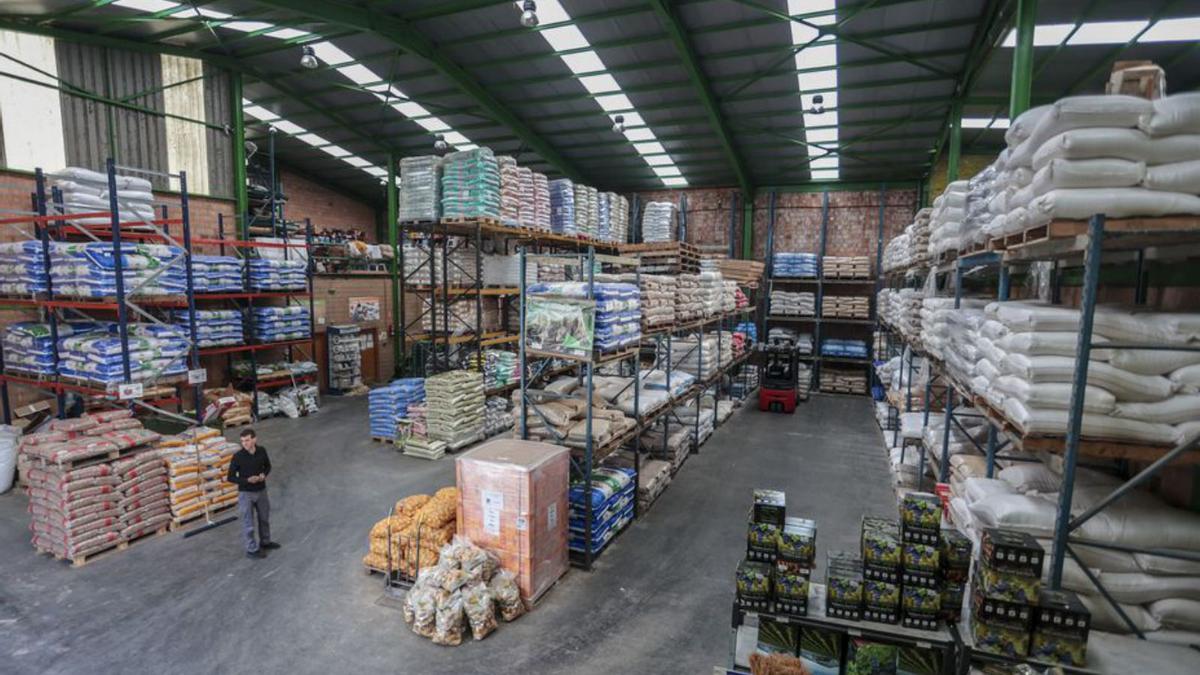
[389,403]
[471,184]
[420,188]
[611,494]
[563,207]
[22,268]
[88,270]
[273,324]
[270,274]
[658,222]
[85,191]
[29,346]
[155,351]
[217,274]
[794,264]
[214,327]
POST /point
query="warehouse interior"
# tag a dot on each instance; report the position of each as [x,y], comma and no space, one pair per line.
[742,336]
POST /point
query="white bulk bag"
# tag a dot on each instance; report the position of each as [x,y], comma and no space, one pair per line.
[1174,177]
[1031,477]
[1105,618]
[1054,422]
[1034,515]
[1137,520]
[1080,112]
[1129,144]
[1126,386]
[1157,564]
[1152,361]
[1027,316]
[1055,395]
[976,488]
[1175,410]
[1049,343]
[1022,127]
[1178,114]
[993,330]
[1083,203]
[1087,173]
[1096,559]
[1154,327]
[80,175]
[1021,198]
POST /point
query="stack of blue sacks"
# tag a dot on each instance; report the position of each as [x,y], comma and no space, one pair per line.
[274,324]
[88,270]
[216,274]
[604,220]
[849,349]
[390,402]
[268,274]
[22,269]
[792,264]
[612,495]
[750,329]
[562,207]
[155,351]
[214,327]
[28,347]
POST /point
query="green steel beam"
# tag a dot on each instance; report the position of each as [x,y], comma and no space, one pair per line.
[393,217]
[748,225]
[955,142]
[518,32]
[691,63]
[75,9]
[238,118]
[600,44]
[405,36]
[1022,68]
[291,43]
[114,23]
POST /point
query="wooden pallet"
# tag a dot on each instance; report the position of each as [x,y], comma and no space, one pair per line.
[84,559]
[185,522]
[381,439]
[472,220]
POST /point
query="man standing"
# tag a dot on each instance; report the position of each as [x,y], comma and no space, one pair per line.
[248,470]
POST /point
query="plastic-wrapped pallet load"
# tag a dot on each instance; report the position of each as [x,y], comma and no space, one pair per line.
[846,267]
[846,306]
[657,300]
[88,270]
[593,213]
[562,326]
[214,327]
[689,299]
[217,274]
[389,403]
[499,368]
[794,264]
[850,349]
[543,206]
[29,346]
[658,222]
[787,303]
[604,216]
[197,463]
[563,208]
[155,351]
[583,211]
[270,274]
[85,191]
[505,271]
[454,407]
[470,184]
[692,354]
[420,188]
[527,200]
[275,324]
[22,268]
[611,494]
[712,288]
[620,219]
[510,191]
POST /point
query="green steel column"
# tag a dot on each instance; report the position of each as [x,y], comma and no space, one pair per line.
[955,142]
[748,226]
[241,201]
[393,214]
[1022,74]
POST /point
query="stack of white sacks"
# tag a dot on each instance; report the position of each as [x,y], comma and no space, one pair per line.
[85,191]
[658,222]
[729,290]
[946,219]
[712,288]
[901,309]
[788,303]
[658,299]
[541,201]
[620,218]
[689,299]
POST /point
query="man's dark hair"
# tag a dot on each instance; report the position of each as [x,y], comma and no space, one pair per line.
[249,432]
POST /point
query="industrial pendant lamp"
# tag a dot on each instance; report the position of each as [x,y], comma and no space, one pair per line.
[529,17]
[818,105]
[308,58]
[440,146]
[618,124]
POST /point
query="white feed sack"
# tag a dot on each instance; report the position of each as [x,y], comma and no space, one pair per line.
[658,222]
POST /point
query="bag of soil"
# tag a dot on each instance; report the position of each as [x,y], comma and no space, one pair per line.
[449,625]
[507,594]
[481,610]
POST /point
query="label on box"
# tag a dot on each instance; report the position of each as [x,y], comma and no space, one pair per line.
[552,517]
[493,503]
[129,390]
[197,376]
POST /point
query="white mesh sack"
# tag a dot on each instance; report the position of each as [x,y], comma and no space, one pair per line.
[1087,173]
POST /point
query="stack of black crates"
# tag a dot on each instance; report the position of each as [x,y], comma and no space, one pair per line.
[774,577]
[1012,615]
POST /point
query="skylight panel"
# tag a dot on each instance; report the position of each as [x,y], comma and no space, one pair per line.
[1173,30]
[675,181]
[984,123]
[300,133]
[1106,32]
[652,148]
[613,102]
[819,54]
[147,5]
[583,62]
[600,84]
[824,174]
[665,171]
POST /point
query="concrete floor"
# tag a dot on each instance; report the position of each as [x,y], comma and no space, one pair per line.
[658,601]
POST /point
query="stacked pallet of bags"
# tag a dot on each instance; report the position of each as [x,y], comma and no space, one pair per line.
[459,271]
[788,303]
[505,270]
[564,421]
[604,216]
[471,184]
[611,494]
[946,219]
[1118,155]
[676,446]
[155,351]
[510,190]
[564,211]
[22,268]
[693,354]
[617,318]
[527,199]
[901,309]
[389,403]
[275,324]
[85,191]
[217,274]
[657,300]
[455,407]
[197,464]
[420,188]
[729,297]
[712,288]
[145,496]
[214,327]
[689,298]
[619,215]
[543,205]
[794,264]
[843,348]
[698,424]
[271,274]
[583,210]
[29,347]
[88,270]
[411,538]
[658,222]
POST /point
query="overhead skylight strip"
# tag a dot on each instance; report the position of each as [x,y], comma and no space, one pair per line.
[1179,29]
[820,52]
[327,52]
[300,133]
[577,54]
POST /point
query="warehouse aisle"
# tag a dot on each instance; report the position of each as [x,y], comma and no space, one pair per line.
[658,601]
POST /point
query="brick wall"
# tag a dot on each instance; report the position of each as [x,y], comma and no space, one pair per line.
[326,207]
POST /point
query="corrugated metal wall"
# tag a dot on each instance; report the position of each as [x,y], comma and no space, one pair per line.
[220,144]
[140,139]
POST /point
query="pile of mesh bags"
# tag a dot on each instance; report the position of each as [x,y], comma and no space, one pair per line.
[389,403]
[471,184]
[616,322]
[197,463]
[85,191]
[658,222]
[788,303]
[29,347]
[794,264]
[272,274]
[274,324]
[420,188]
[22,268]
[88,270]
[214,327]
[610,491]
[411,538]
[564,212]
[77,510]
[154,351]
[510,190]
[217,274]
[454,407]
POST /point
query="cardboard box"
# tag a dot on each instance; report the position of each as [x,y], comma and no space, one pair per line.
[1013,552]
[512,500]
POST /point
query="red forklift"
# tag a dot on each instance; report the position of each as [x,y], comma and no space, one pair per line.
[780,387]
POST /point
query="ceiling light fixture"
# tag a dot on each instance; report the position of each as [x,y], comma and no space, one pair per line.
[440,146]
[529,17]
[308,58]
[818,105]
[619,124]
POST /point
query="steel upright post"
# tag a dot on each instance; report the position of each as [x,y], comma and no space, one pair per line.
[393,215]
[1022,69]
